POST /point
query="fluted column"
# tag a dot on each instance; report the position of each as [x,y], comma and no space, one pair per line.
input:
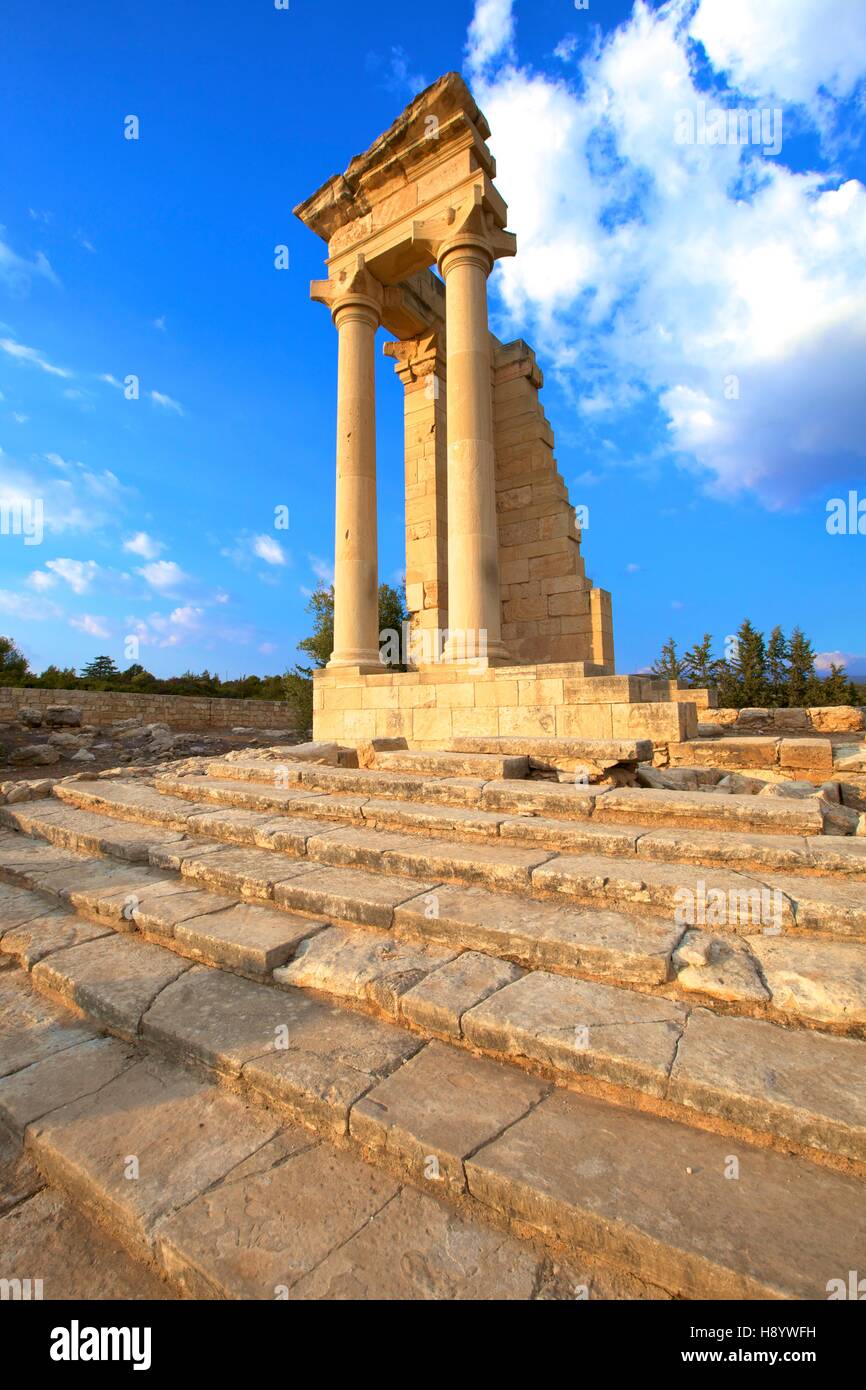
[355,303]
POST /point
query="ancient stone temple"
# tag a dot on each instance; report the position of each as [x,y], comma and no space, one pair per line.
[507,634]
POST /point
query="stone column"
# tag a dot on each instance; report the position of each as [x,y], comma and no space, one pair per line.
[355,301]
[466,243]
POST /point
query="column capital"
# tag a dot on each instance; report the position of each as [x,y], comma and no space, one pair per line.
[416,358]
[353,289]
[467,230]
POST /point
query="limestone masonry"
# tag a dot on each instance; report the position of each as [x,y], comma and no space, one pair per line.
[495,579]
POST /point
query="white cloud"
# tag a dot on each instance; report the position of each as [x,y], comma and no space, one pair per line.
[322,569]
[40,581]
[28,609]
[267,648]
[78,574]
[160,323]
[718,284]
[166,402]
[789,49]
[163,575]
[89,623]
[21,353]
[490,34]
[144,545]
[16,271]
[269,550]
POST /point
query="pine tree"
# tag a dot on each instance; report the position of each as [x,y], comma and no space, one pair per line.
[801,669]
[835,689]
[101,668]
[700,667]
[751,666]
[777,668]
[669,665]
[13,662]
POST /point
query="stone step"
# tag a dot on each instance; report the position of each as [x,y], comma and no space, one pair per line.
[573,1029]
[709,811]
[253,1190]
[687,895]
[454,764]
[231,1201]
[558,752]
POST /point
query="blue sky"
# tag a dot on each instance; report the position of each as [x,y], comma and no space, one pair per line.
[699,311]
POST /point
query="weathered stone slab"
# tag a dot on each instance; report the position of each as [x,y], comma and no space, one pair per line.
[579,1027]
[439,1001]
[800,1085]
[113,980]
[52,932]
[544,798]
[729,751]
[75,1258]
[363,965]
[819,980]
[217,1019]
[497,866]
[606,750]
[349,895]
[836,855]
[251,872]
[162,911]
[179,1134]
[438,1108]
[820,904]
[720,966]
[655,1196]
[229,825]
[127,801]
[92,885]
[468,822]
[19,1180]
[332,1057]
[580,837]
[544,935]
[57,1080]
[442,764]
[260,1231]
[253,940]
[20,905]
[729,848]
[31,1028]
[68,827]
[708,811]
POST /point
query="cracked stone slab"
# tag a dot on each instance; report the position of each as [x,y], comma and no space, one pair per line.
[113,980]
[702,810]
[22,860]
[76,1259]
[68,827]
[251,939]
[836,854]
[544,935]
[128,800]
[229,825]
[217,1019]
[92,884]
[57,1080]
[824,905]
[292,836]
[433,1113]
[363,965]
[20,905]
[820,980]
[260,1231]
[499,866]
[466,821]
[801,1085]
[252,872]
[31,1027]
[566,835]
[542,798]
[730,848]
[654,1195]
[578,1027]
[439,1001]
[53,931]
[19,1180]
[213,792]
[163,910]
[329,1058]
[349,895]
[183,1134]
[721,966]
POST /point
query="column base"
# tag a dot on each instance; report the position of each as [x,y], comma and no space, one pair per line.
[462,649]
[366,662]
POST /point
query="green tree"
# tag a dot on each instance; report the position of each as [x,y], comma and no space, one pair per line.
[669,665]
[750,666]
[101,668]
[778,652]
[700,667]
[836,689]
[801,669]
[13,662]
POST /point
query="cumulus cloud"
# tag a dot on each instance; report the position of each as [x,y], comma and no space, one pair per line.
[30,609]
[708,285]
[490,34]
[163,575]
[78,574]
[269,550]
[77,500]
[91,625]
[144,545]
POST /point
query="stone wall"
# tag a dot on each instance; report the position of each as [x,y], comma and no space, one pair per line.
[825,719]
[178,711]
[428,708]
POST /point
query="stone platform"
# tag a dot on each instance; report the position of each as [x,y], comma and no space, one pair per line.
[569,700]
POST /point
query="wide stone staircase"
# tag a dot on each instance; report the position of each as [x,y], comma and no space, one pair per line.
[611,1038]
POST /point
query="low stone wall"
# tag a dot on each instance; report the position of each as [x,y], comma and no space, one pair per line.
[430,707]
[826,719]
[178,711]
